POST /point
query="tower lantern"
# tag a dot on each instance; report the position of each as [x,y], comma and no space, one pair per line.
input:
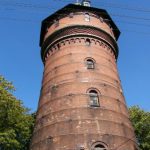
[81,105]
[86,3]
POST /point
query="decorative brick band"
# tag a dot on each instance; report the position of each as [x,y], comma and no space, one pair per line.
[87,32]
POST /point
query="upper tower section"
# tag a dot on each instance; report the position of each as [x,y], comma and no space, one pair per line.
[78,20]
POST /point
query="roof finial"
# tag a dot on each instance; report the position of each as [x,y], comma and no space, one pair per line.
[86,3]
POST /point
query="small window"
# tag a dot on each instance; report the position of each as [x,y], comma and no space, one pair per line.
[56,23]
[90,64]
[71,15]
[94,99]
[101,19]
[87,17]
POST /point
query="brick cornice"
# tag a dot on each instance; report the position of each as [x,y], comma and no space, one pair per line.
[78,31]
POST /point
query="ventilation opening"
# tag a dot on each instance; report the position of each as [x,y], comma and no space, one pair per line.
[99,147]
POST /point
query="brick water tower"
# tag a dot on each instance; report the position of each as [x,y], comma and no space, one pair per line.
[81,104]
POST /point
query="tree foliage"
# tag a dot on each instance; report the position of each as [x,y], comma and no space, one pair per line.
[141,123]
[16,123]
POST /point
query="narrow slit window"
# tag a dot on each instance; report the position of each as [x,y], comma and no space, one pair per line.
[94,99]
[90,64]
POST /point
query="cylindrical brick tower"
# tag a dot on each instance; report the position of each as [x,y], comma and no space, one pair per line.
[81,105]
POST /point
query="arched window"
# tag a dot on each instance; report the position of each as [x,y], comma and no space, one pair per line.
[87,17]
[90,64]
[94,98]
[98,146]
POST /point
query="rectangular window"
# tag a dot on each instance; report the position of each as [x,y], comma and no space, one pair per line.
[90,66]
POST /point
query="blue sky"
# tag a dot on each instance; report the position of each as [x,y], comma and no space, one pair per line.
[20,61]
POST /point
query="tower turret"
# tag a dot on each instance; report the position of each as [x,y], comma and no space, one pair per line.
[81,105]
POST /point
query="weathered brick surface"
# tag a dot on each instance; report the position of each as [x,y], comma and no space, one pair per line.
[65,120]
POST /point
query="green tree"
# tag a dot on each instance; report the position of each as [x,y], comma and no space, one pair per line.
[141,123]
[16,123]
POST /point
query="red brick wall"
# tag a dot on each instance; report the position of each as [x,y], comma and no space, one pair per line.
[65,120]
